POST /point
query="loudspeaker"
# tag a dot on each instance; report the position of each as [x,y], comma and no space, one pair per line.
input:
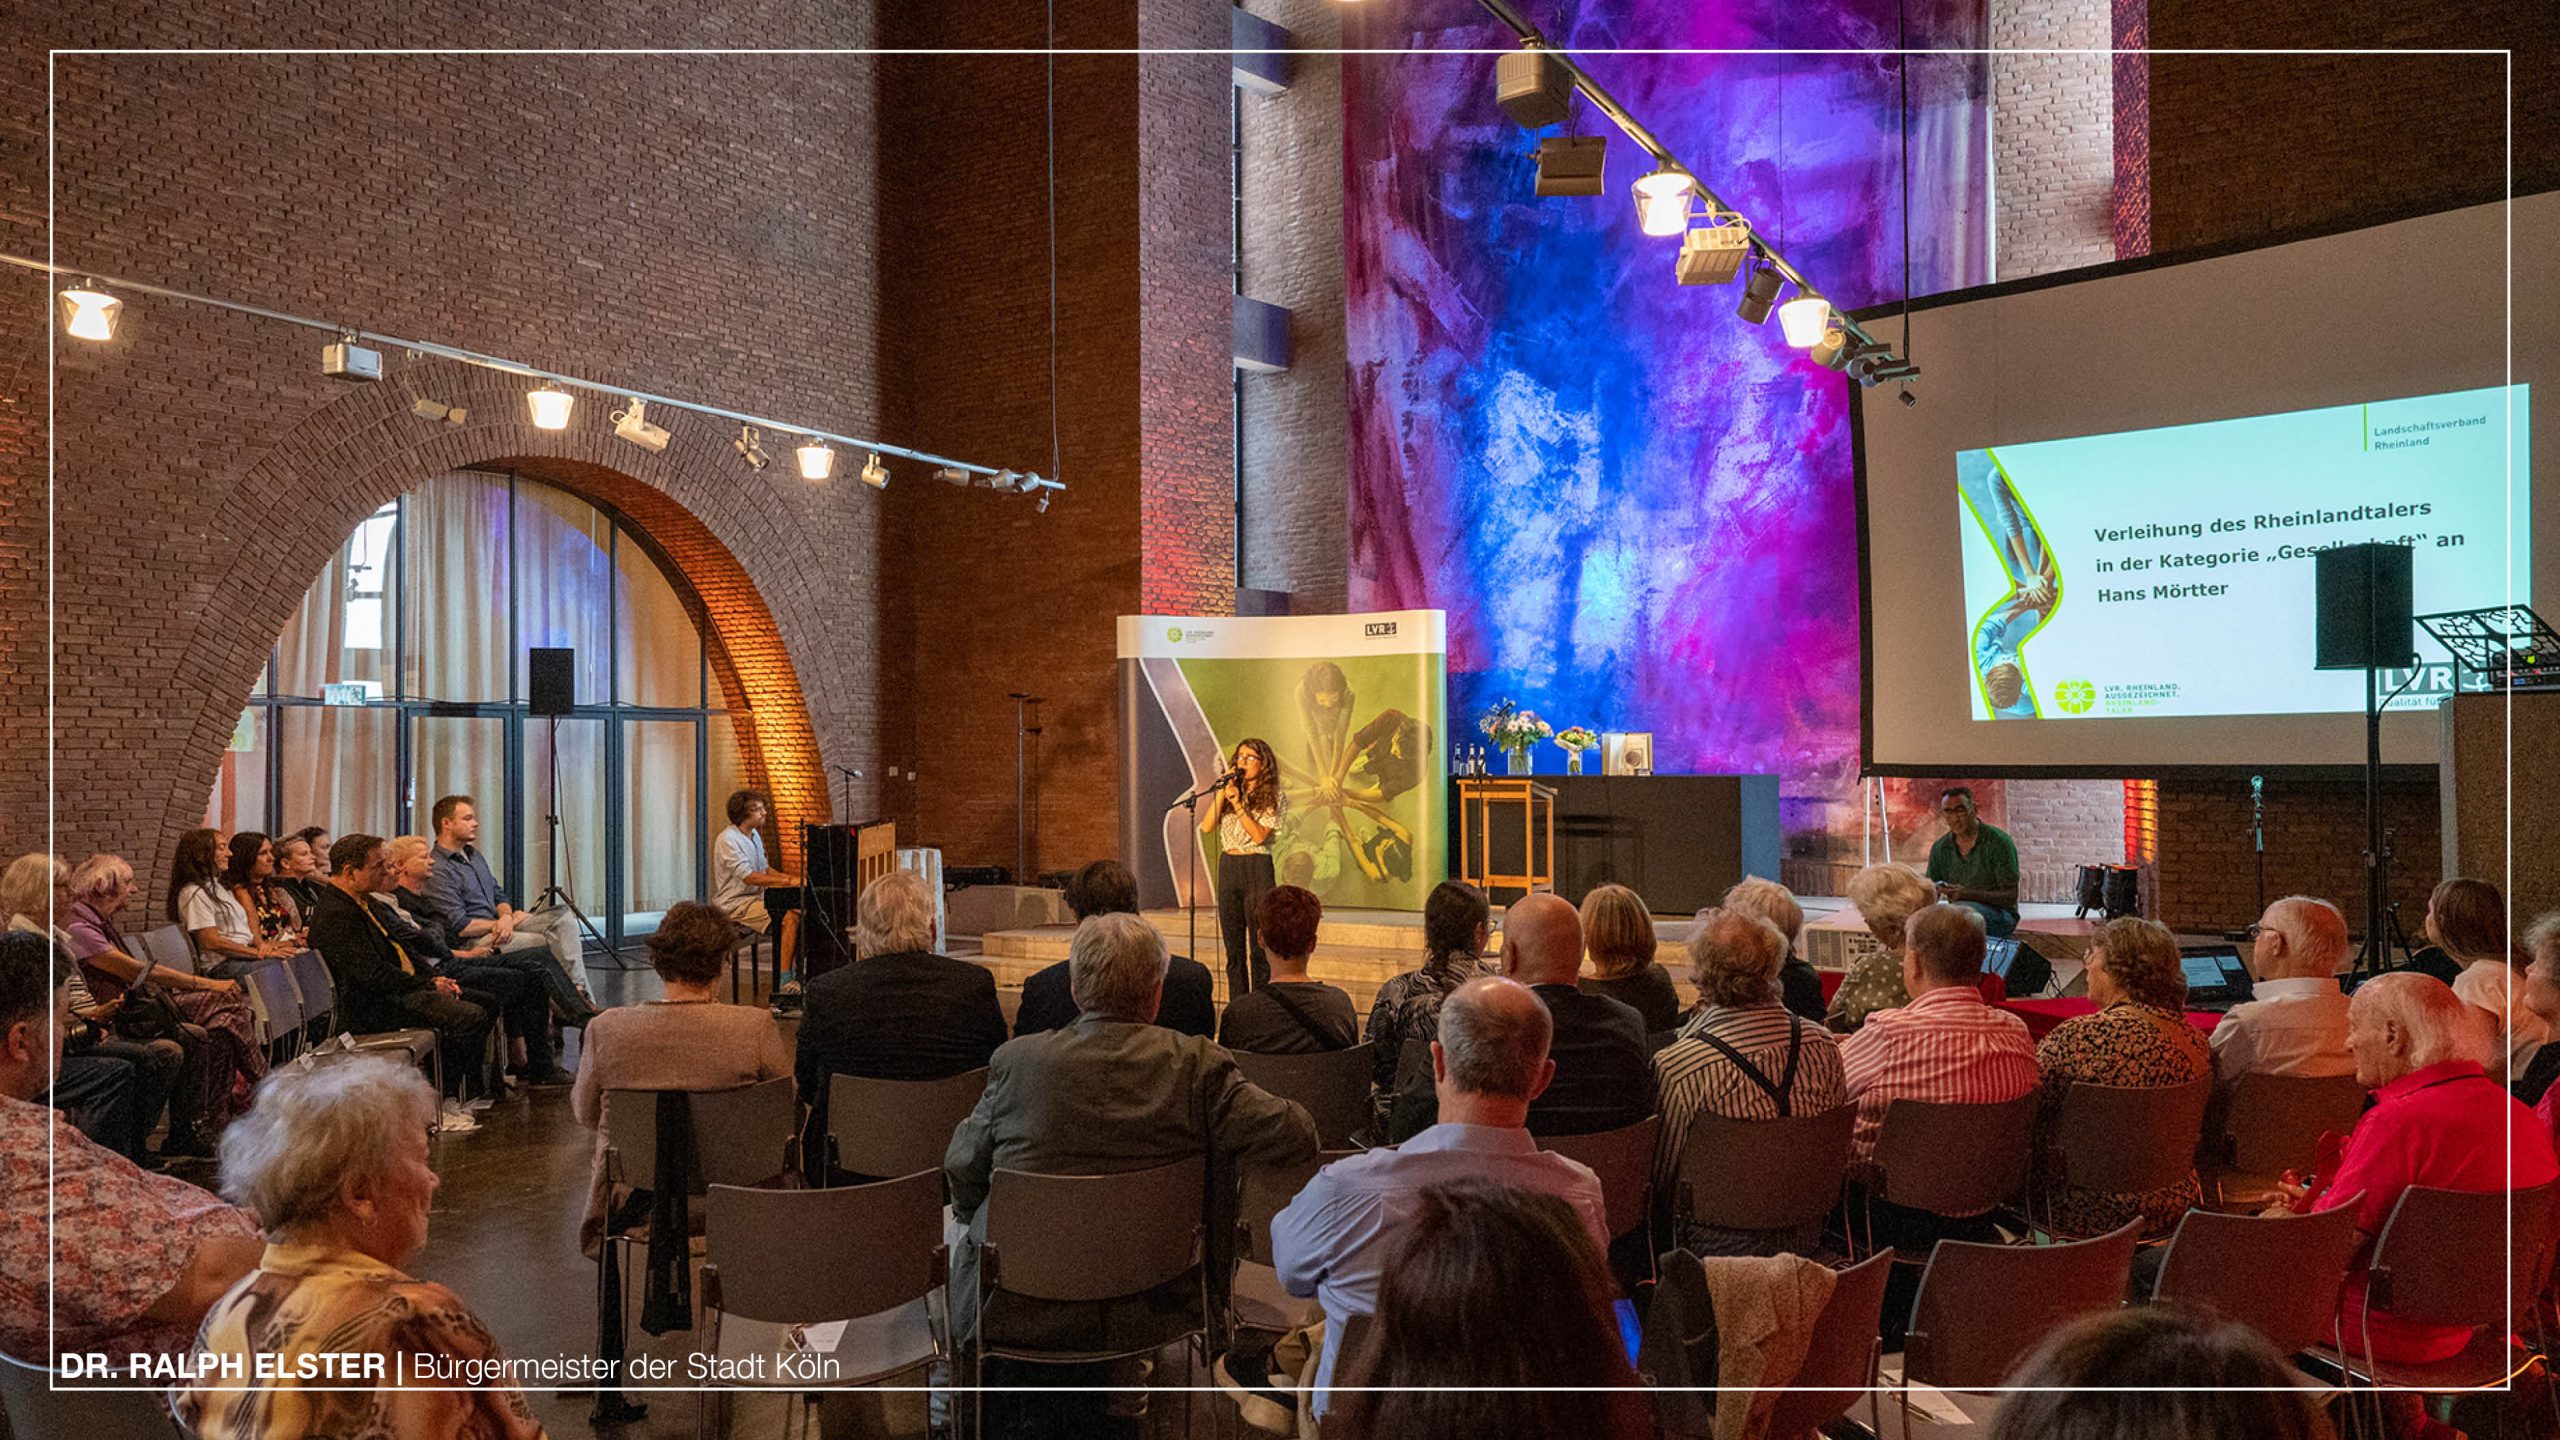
[2363,608]
[827,900]
[552,684]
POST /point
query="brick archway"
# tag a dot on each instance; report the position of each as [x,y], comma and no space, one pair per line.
[726,535]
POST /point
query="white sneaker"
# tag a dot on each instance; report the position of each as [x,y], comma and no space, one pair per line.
[453,1119]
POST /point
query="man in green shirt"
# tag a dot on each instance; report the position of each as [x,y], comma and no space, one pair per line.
[1975,865]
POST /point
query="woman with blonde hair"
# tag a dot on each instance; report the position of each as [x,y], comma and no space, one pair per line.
[1887,896]
[1617,951]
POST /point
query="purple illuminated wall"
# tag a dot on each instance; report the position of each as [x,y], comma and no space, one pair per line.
[1636,509]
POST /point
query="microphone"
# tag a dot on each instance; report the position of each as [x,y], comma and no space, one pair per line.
[847,770]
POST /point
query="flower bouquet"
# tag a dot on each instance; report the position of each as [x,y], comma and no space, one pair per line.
[1512,731]
[1573,740]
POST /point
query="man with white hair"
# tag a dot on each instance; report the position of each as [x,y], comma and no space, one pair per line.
[2297,1022]
[900,1011]
[2437,1120]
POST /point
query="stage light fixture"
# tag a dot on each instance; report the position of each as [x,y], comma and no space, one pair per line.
[1712,254]
[750,447]
[952,475]
[1570,164]
[1041,505]
[426,409]
[632,423]
[347,360]
[817,462]
[1759,293]
[1804,319]
[89,313]
[875,474]
[1662,201]
[550,406]
[1832,348]
[1533,88]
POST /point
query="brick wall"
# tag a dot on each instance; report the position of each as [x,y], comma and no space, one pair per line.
[2315,846]
[2052,136]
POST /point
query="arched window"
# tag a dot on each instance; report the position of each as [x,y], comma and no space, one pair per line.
[403,677]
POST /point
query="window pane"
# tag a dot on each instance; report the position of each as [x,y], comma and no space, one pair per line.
[662,822]
[341,633]
[581,812]
[240,787]
[660,660]
[338,768]
[564,583]
[453,589]
[453,756]
[729,772]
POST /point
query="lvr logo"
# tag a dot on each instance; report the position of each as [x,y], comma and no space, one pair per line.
[1379,627]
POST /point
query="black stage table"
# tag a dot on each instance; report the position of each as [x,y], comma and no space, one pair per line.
[1680,841]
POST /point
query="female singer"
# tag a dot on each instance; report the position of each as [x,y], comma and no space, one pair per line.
[1243,814]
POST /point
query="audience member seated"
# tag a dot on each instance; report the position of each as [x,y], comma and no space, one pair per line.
[234,1060]
[1335,1241]
[687,1040]
[1290,1014]
[95,1253]
[467,901]
[1105,887]
[2541,946]
[2297,1022]
[1768,900]
[1886,897]
[1456,923]
[201,904]
[2467,920]
[166,1066]
[1604,1066]
[1496,1321]
[2436,1120]
[900,1011]
[1112,1092]
[740,874]
[1618,944]
[300,871]
[510,986]
[2156,1372]
[333,1161]
[251,876]
[1975,865]
[1744,1056]
[381,986]
[2139,1039]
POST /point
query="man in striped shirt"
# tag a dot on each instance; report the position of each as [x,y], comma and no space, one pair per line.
[1947,1045]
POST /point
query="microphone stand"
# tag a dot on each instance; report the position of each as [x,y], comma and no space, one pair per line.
[1190,806]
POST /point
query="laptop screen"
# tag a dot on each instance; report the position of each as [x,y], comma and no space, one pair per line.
[2204,972]
[1997,955]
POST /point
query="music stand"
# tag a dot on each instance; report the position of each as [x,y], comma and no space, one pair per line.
[2484,642]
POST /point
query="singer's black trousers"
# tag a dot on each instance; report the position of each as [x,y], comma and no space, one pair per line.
[1242,882]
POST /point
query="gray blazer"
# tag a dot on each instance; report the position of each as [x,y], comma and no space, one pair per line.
[1097,1098]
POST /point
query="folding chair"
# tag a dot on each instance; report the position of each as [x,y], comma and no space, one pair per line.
[1983,1308]
[2443,1258]
[1763,1174]
[896,1127]
[2278,1275]
[2274,1124]
[1840,1360]
[277,1007]
[1952,1159]
[2125,1140]
[1623,1159]
[1333,1085]
[1255,1299]
[170,948]
[319,991]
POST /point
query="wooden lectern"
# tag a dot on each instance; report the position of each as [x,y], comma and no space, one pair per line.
[1482,799]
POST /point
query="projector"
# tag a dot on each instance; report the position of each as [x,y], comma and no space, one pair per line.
[633,425]
[347,360]
[1712,254]
[1570,164]
[1533,88]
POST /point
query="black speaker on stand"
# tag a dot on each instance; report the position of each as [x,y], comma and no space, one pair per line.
[2363,621]
[827,900]
[551,691]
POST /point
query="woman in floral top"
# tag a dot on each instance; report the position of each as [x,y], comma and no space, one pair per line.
[1456,921]
[1887,896]
[2138,1039]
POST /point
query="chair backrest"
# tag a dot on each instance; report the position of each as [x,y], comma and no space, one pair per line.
[170,947]
[1764,1174]
[1981,1308]
[1333,1085]
[2278,1275]
[1954,1159]
[2275,1121]
[2130,1140]
[319,991]
[1093,1237]
[794,1256]
[1267,1191]
[897,1127]
[2443,1257]
[1840,1358]
[273,1000]
[1623,1159]
[741,1136]
[1413,1064]
[31,1407]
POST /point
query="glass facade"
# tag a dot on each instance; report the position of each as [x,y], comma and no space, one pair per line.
[402,678]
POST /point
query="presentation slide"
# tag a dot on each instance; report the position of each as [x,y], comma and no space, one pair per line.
[2168,572]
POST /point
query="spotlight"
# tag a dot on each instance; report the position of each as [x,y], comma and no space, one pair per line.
[952,475]
[1042,504]
[1759,293]
[89,313]
[1662,201]
[750,447]
[426,409]
[1832,348]
[1804,319]
[817,462]
[1910,399]
[632,424]
[1003,480]
[1712,254]
[875,474]
[550,406]
[347,360]
[1570,164]
[1533,88]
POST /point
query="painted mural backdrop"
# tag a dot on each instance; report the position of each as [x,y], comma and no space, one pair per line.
[1637,510]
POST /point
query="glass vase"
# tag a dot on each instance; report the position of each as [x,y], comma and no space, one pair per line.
[1573,762]
[1519,762]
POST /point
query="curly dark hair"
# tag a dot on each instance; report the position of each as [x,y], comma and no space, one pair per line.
[1264,794]
[2142,955]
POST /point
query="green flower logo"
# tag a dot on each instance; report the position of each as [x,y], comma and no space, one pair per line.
[1173,633]
[2075,696]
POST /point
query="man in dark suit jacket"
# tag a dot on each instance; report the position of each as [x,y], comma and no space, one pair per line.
[901,1012]
[1106,887]
[380,987]
[1604,1068]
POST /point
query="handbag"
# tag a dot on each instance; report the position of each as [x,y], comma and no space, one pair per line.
[147,1013]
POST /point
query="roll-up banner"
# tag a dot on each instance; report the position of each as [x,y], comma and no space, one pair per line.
[1351,706]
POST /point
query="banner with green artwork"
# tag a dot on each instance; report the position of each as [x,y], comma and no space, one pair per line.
[1351,706]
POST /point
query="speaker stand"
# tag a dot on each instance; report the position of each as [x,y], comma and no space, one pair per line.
[553,892]
[2375,956]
